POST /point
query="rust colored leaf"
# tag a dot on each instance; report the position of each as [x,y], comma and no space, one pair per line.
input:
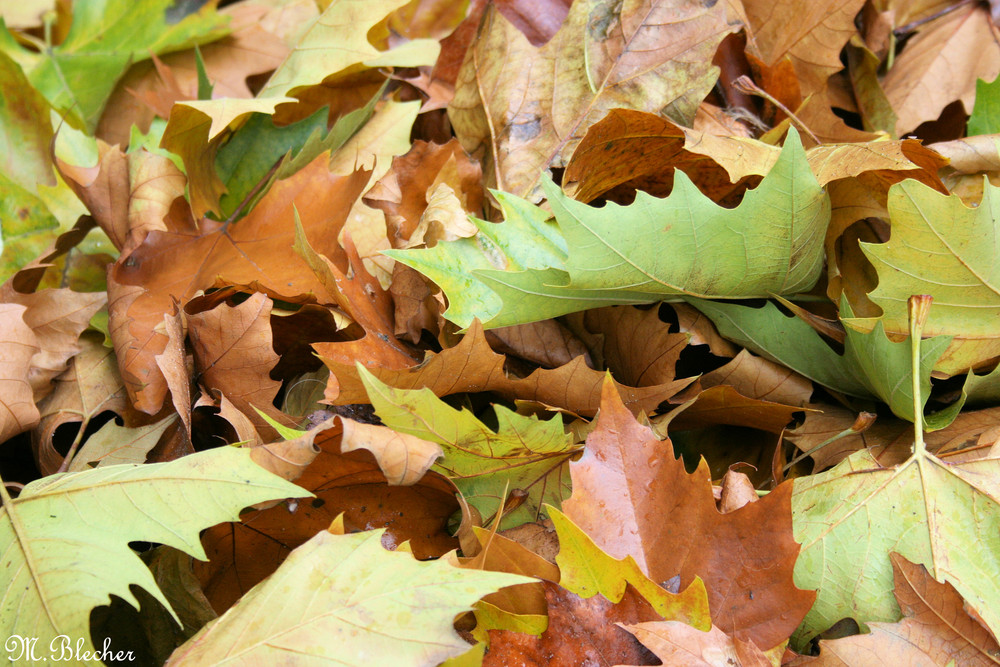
[255,253]
[759,378]
[243,554]
[547,343]
[580,632]
[633,498]
[472,366]
[172,362]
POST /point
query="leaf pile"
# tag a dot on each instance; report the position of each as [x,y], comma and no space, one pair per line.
[489,333]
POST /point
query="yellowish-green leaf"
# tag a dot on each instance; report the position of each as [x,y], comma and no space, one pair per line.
[344,599]
[941,247]
[65,537]
[524,454]
[850,518]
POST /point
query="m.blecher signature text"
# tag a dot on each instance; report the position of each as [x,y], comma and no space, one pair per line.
[61,649]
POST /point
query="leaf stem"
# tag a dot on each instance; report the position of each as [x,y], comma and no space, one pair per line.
[919,305]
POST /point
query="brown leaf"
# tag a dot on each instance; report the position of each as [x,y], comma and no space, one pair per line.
[403,458]
[940,64]
[701,331]
[633,498]
[256,254]
[233,354]
[172,363]
[723,404]
[402,193]
[675,643]
[546,343]
[471,366]
[17,405]
[416,309]
[57,317]
[937,629]
[524,109]
[581,632]
[636,345]
[759,378]
[243,554]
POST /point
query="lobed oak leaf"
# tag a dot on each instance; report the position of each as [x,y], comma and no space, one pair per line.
[634,499]
[64,526]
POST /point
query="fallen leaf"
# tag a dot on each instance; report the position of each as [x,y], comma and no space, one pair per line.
[19,410]
[651,57]
[633,498]
[358,592]
[49,554]
[473,366]
[937,628]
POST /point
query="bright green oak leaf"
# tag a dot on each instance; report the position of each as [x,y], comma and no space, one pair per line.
[64,539]
[587,570]
[941,247]
[337,46]
[524,453]
[105,37]
[346,600]
[850,518]
[526,270]
[985,118]
[872,366]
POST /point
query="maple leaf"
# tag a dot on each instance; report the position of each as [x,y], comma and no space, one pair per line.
[634,499]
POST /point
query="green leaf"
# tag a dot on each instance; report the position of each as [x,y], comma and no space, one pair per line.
[683,244]
[26,226]
[941,247]
[524,453]
[105,37]
[25,129]
[344,599]
[65,537]
[848,520]
[985,118]
[872,365]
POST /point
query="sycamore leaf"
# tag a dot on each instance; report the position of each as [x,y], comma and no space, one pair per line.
[634,499]
[941,247]
[65,537]
[78,75]
[772,243]
[872,366]
[18,411]
[570,619]
[346,599]
[937,628]
[472,366]
[587,570]
[524,453]
[849,518]
[526,108]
